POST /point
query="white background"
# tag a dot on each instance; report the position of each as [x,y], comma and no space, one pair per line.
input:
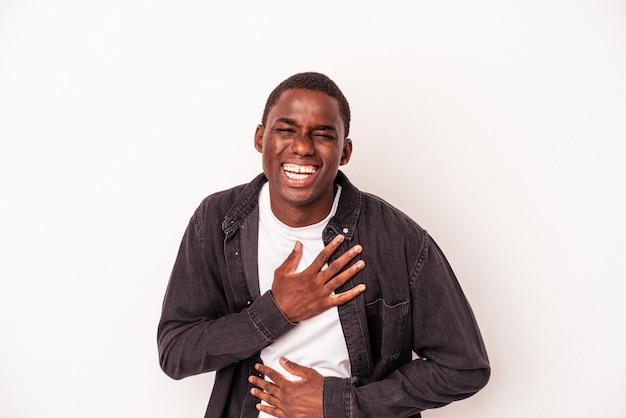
[499,126]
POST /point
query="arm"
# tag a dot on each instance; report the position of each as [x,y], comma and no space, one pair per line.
[453,363]
[197,333]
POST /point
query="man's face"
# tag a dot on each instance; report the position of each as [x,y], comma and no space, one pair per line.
[303,146]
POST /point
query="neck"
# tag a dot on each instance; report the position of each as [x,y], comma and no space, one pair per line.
[297,216]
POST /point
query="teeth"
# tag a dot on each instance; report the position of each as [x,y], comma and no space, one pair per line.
[295,176]
[298,169]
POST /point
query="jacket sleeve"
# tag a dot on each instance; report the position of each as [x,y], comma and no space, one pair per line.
[452,363]
[197,331]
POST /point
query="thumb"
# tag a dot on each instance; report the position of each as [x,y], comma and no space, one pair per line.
[294,368]
[293,259]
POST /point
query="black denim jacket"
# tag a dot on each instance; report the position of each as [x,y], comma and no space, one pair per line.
[214,317]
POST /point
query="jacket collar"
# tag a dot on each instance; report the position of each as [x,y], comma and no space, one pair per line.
[245,202]
[350,204]
[344,222]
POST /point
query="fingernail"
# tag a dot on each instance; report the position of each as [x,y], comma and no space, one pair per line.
[357,249]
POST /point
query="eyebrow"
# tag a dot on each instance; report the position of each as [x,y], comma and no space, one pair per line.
[287,121]
[324,128]
[292,122]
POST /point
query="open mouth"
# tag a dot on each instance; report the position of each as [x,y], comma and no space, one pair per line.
[298,172]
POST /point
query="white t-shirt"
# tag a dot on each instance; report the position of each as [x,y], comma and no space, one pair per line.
[317,342]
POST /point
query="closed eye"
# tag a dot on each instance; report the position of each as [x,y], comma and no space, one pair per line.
[326,136]
[323,134]
[324,131]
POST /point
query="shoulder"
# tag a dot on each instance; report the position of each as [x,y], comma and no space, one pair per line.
[375,217]
[377,209]
[369,208]
[221,201]
[233,203]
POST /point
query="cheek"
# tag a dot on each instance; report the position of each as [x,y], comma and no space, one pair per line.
[270,149]
[268,158]
[337,154]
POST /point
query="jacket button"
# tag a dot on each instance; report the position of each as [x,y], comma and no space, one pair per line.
[346,230]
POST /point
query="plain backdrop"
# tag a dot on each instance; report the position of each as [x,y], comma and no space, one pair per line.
[499,126]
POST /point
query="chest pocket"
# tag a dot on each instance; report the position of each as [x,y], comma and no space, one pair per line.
[387,328]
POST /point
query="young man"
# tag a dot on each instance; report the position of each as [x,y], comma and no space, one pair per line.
[271,288]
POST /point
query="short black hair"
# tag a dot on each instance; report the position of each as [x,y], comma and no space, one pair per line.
[310,81]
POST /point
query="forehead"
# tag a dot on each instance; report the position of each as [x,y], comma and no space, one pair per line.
[302,105]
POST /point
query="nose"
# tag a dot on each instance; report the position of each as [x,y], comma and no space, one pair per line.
[303,145]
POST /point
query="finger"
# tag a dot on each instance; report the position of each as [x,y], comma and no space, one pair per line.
[341,261]
[276,377]
[338,280]
[292,367]
[292,260]
[265,391]
[348,295]
[324,255]
[265,397]
[270,410]
[271,404]
[295,368]
[263,384]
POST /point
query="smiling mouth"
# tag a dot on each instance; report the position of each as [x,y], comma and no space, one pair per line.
[298,172]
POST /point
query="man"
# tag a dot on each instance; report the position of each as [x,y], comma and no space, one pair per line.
[271,288]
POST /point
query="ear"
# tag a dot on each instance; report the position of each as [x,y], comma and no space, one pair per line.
[258,138]
[346,152]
